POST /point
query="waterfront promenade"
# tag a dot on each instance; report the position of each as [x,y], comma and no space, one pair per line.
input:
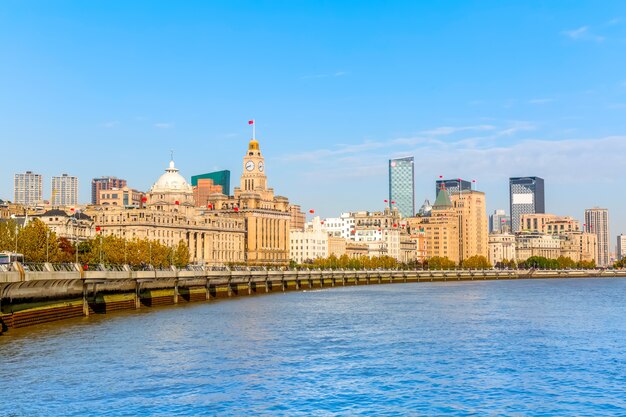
[51,293]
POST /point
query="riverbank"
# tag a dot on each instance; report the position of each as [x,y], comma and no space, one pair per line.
[42,297]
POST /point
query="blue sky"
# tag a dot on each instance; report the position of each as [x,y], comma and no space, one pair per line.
[480,90]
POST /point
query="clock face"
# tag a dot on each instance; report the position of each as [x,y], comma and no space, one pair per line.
[261,166]
[249,165]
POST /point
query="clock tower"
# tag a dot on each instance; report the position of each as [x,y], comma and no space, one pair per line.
[253,177]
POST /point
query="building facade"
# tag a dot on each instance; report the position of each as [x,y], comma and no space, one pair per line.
[266,215]
[441,230]
[203,189]
[122,197]
[453,187]
[499,222]
[74,226]
[28,189]
[402,185]
[620,252]
[218,178]
[64,191]
[526,196]
[104,183]
[501,247]
[309,244]
[471,210]
[169,216]
[597,222]
[548,223]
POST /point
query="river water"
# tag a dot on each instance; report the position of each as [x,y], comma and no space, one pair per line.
[536,347]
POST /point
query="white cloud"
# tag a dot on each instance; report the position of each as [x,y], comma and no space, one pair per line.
[164,125]
[582,33]
[448,130]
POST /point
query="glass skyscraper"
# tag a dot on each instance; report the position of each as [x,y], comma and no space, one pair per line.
[526,197]
[453,186]
[402,185]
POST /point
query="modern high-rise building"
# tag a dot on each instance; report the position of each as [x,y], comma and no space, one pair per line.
[621,247]
[402,185]
[453,186]
[104,183]
[64,191]
[526,197]
[597,221]
[28,189]
[499,222]
[221,178]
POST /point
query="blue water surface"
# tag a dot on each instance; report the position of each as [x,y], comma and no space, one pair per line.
[535,347]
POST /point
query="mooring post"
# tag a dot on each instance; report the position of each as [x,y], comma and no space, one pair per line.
[137,294]
[207,285]
[249,286]
[85,301]
[176,291]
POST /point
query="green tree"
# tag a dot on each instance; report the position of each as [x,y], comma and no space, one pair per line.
[181,255]
[440,262]
[476,262]
[7,235]
[37,242]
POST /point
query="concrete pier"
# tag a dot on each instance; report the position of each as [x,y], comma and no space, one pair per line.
[28,298]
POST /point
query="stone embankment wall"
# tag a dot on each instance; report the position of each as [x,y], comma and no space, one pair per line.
[28,298]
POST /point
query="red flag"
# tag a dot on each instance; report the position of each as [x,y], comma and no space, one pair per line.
[210,206]
[395,225]
[236,209]
[98,228]
[250,122]
[144,199]
[311,211]
[393,202]
[386,201]
[441,176]
[177,202]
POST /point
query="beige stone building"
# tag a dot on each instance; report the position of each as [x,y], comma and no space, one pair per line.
[298,217]
[310,243]
[501,248]
[73,226]
[440,229]
[121,197]
[266,215]
[579,246]
[548,223]
[471,210]
[536,244]
[170,217]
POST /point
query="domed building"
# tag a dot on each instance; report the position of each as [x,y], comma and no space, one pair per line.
[169,216]
[171,189]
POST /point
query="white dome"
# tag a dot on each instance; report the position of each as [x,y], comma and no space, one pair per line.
[171,181]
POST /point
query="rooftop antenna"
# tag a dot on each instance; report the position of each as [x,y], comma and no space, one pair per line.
[171,154]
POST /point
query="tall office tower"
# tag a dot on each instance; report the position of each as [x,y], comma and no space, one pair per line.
[526,197]
[28,189]
[499,222]
[453,186]
[621,247]
[221,178]
[104,183]
[597,221]
[402,185]
[64,191]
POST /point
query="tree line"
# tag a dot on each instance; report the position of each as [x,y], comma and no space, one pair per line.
[438,262]
[40,244]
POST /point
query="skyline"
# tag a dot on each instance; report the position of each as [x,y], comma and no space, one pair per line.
[472,91]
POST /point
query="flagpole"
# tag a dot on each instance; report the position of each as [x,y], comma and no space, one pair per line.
[253,129]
